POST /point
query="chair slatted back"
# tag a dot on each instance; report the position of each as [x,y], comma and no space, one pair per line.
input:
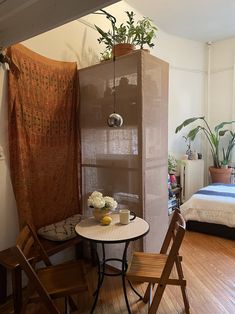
[26,241]
[171,232]
[30,272]
[174,241]
[30,245]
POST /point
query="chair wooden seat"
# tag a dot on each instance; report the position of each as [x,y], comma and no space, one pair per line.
[148,267]
[52,281]
[63,279]
[162,268]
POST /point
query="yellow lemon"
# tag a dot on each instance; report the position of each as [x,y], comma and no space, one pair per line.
[106,220]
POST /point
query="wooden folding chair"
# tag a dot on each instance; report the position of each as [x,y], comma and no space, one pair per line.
[158,268]
[52,281]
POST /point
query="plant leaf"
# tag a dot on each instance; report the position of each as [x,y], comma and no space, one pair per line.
[221,125]
[222,132]
[214,140]
[192,134]
[187,122]
[102,33]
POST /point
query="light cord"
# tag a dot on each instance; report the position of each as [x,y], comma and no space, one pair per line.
[113,21]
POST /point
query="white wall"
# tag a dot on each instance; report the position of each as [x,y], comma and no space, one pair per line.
[222,87]
[8,214]
[186,92]
[222,81]
[77,42]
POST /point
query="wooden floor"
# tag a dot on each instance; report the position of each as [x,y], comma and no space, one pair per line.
[209,267]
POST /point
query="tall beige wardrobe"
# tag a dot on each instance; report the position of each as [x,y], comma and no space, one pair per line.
[130,162]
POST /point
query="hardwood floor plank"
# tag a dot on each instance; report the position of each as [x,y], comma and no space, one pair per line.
[209,268]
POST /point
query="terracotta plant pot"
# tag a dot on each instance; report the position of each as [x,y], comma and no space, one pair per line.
[220,175]
[122,49]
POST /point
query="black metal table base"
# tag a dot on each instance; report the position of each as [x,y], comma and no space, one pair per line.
[102,272]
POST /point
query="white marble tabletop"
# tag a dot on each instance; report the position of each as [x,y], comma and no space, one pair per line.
[91,229]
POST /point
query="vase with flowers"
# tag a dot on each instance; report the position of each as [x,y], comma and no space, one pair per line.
[101,205]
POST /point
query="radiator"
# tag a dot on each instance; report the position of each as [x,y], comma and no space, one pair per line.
[191,177]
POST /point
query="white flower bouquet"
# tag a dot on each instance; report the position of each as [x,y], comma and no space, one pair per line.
[97,200]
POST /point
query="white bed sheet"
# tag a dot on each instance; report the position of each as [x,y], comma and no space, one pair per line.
[216,209]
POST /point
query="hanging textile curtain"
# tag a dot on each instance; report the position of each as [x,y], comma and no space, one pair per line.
[43,137]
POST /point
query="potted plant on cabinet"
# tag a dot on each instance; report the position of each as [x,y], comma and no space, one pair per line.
[127,36]
[172,167]
[218,172]
[145,33]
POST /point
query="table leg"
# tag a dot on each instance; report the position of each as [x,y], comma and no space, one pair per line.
[3,284]
[122,272]
[94,256]
[136,292]
[100,275]
[124,269]
[103,263]
[17,289]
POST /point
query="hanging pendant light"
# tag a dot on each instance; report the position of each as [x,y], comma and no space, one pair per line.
[114,119]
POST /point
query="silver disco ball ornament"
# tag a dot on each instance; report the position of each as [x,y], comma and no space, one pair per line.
[115,120]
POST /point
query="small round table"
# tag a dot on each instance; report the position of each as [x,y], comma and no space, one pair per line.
[93,231]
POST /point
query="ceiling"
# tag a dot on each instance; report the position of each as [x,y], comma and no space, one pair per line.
[22,19]
[200,20]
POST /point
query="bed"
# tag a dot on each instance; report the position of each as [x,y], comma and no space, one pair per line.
[211,210]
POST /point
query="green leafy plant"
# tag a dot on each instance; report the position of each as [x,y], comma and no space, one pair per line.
[106,55]
[125,33]
[140,33]
[172,164]
[145,32]
[213,137]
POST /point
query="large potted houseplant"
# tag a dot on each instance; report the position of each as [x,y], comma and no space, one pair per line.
[124,38]
[220,172]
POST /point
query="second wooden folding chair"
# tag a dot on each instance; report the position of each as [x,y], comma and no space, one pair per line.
[157,269]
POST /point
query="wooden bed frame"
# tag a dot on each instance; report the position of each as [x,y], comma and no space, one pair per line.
[212,229]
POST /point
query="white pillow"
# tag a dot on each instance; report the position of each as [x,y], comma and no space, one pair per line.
[62,230]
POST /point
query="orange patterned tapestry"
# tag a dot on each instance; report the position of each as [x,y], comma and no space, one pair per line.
[43,137]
